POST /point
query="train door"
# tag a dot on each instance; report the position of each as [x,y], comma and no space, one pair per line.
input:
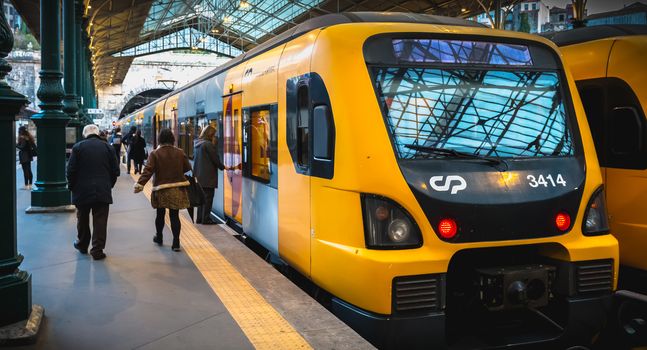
[233,155]
[619,130]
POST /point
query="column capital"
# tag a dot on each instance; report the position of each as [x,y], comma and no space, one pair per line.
[10,101]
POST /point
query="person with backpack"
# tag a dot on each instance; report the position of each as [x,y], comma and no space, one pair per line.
[115,141]
[26,152]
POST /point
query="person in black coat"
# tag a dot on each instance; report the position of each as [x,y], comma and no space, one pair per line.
[92,172]
[127,140]
[205,165]
[26,151]
[137,151]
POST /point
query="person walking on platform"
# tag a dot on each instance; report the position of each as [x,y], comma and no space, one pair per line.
[167,165]
[115,141]
[92,172]
[205,163]
[127,141]
[137,151]
[26,153]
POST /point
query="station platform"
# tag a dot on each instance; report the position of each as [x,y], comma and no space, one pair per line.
[215,294]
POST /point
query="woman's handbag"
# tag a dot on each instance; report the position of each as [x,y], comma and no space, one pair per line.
[196,194]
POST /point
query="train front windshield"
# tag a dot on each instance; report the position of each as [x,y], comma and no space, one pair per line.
[478,98]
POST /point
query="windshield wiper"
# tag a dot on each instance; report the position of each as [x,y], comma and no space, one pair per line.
[455,154]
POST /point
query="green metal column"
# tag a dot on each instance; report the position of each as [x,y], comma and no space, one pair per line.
[51,193]
[80,33]
[15,285]
[69,58]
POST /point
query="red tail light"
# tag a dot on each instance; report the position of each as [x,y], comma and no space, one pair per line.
[447,228]
[563,221]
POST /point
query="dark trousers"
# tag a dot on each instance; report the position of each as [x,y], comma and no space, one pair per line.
[26,173]
[128,159]
[174,216]
[138,166]
[204,212]
[99,226]
[118,151]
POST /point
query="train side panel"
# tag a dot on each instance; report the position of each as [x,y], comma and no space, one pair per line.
[260,194]
[293,182]
[588,61]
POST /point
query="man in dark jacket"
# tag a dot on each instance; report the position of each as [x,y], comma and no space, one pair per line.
[205,165]
[92,172]
[127,140]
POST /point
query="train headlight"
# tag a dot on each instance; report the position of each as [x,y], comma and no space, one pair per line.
[596,221]
[399,231]
[387,225]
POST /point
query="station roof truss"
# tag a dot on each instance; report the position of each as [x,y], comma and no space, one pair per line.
[120,30]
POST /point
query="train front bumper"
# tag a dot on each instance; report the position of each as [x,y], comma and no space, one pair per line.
[586,318]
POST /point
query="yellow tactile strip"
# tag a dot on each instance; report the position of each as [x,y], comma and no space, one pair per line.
[262,324]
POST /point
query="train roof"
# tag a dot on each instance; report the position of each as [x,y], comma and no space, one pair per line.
[586,34]
[322,22]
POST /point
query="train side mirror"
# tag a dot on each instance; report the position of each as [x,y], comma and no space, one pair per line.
[626,131]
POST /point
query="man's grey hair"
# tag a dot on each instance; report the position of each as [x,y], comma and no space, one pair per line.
[90,130]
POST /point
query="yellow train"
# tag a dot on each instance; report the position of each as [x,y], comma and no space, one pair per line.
[608,65]
[436,177]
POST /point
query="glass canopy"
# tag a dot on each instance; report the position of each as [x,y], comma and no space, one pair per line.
[213,24]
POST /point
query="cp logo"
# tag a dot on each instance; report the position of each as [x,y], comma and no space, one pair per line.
[454,182]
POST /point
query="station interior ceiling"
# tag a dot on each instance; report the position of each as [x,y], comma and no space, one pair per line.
[120,30]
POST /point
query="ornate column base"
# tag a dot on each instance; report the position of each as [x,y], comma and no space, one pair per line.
[15,297]
[50,199]
[25,331]
[42,210]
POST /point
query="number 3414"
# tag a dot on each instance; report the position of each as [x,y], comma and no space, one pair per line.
[541,180]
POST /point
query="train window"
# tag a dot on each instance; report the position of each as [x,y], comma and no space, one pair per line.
[322,135]
[190,133]
[617,122]
[626,137]
[260,144]
[496,112]
[593,99]
[303,130]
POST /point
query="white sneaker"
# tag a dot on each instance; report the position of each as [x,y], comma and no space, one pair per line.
[24,188]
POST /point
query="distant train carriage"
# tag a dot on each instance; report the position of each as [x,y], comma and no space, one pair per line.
[436,177]
[608,65]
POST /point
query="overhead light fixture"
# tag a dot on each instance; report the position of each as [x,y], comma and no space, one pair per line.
[463,10]
[214,30]
[244,5]
[89,6]
[227,20]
